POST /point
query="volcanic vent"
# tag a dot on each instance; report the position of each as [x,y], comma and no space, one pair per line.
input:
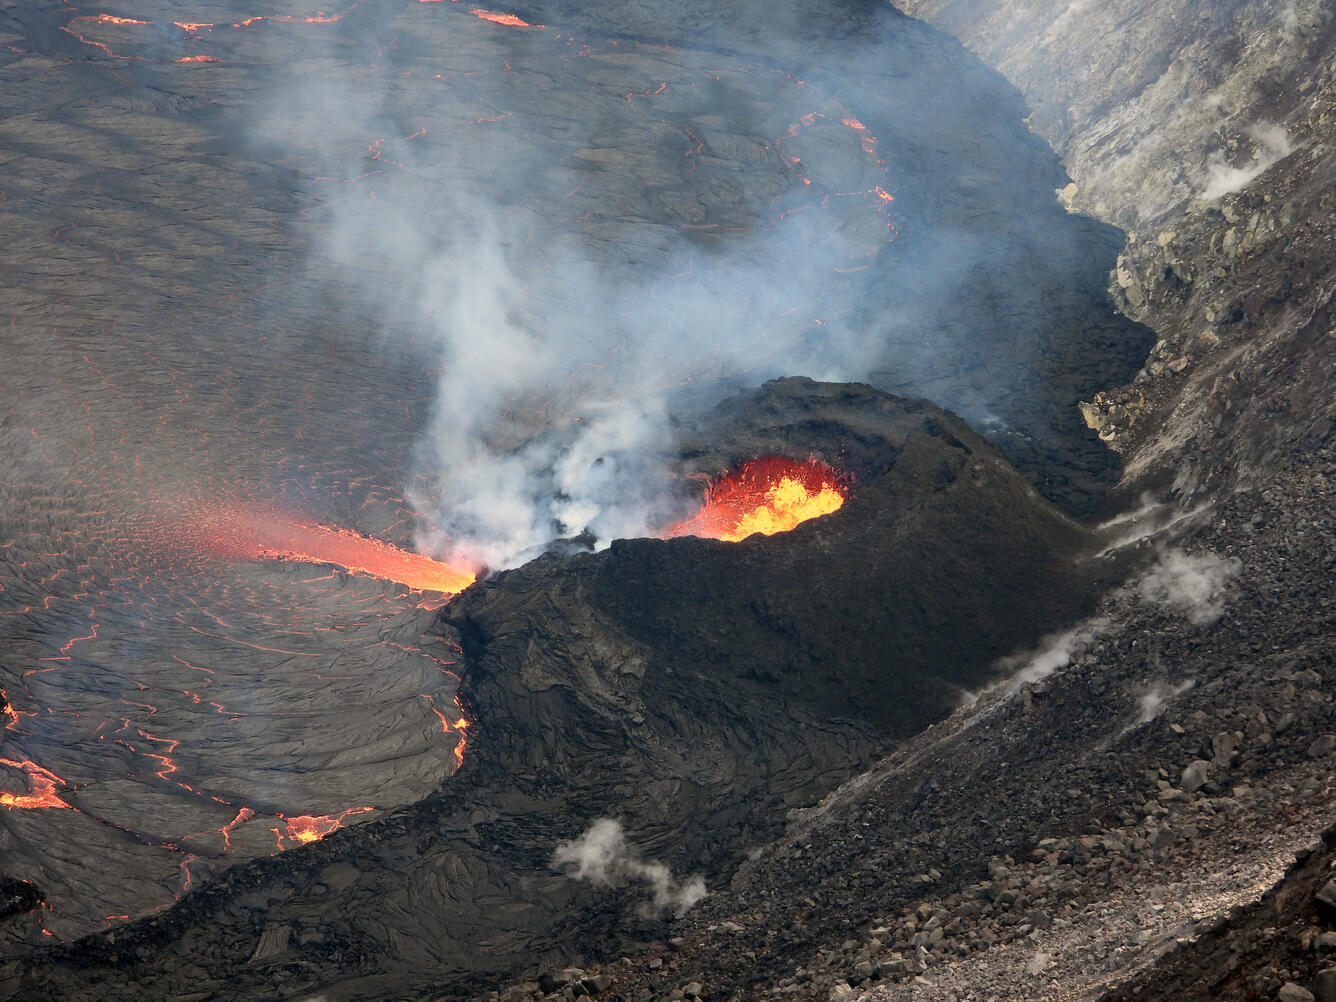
[766,495]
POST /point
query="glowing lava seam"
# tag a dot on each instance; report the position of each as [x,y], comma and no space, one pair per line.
[765,495]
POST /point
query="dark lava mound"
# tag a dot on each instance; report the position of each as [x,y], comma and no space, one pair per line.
[689,688]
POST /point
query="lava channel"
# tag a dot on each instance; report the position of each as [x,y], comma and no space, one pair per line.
[767,495]
[267,536]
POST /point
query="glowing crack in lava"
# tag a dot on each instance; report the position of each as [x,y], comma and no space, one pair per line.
[765,495]
[255,535]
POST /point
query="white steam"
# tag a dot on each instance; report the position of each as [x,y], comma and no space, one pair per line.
[1054,651]
[1273,145]
[603,857]
[545,428]
[1191,584]
[556,370]
[1144,523]
[1152,701]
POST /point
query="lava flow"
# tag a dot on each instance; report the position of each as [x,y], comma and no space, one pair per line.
[267,536]
[41,781]
[765,495]
[510,20]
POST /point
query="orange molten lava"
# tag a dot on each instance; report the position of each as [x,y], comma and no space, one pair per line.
[312,828]
[507,19]
[766,495]
[41,781]
[259,534]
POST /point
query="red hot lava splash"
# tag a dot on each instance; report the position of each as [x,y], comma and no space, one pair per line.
[766,495]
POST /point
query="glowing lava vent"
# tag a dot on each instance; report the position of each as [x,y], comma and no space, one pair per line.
[765,495]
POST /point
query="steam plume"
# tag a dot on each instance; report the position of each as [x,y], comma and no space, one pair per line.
[1193,585]
[558,367]
[1152,701]
[1054,651]
[603,857]
[1273,145]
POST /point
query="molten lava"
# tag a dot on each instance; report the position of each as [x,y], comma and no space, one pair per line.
[358,554]
[42,783]
[510,20]
[250,534]
[766,495]
[311,828]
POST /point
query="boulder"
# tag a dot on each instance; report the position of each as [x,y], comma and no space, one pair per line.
[1195,776]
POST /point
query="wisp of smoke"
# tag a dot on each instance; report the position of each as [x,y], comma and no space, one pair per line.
[1191,584]
[1273,144]
[1053,652]
[1153,699]
[603,857]
[1289,18]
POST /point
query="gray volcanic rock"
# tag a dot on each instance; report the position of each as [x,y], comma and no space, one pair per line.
[17,896]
